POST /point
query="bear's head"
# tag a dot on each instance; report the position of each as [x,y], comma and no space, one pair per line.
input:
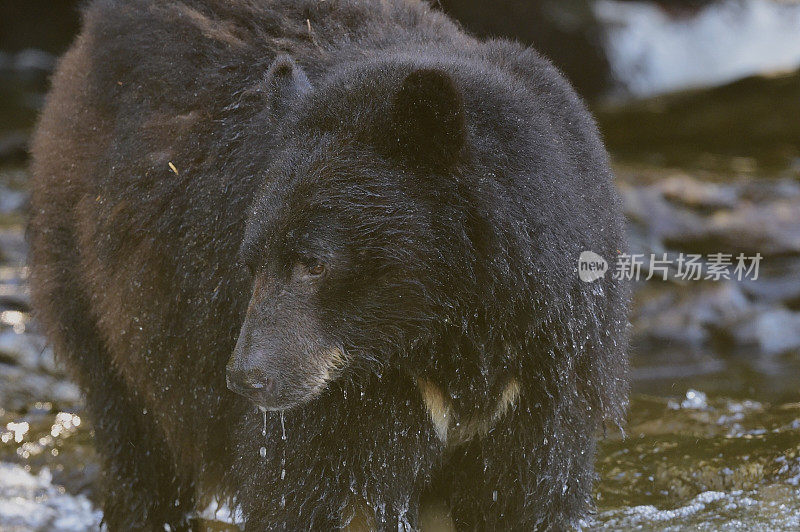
[370,229]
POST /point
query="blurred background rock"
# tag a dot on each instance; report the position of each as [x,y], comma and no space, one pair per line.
[699,102]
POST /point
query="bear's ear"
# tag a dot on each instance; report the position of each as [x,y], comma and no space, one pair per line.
[428,119]
[285,81]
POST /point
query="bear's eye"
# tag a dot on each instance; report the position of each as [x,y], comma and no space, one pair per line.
[316,269]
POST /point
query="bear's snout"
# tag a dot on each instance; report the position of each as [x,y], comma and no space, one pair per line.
[251,384]
[261,377]
[280,381]
[282,356]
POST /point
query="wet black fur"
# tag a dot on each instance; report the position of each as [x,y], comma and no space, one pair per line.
[457,239]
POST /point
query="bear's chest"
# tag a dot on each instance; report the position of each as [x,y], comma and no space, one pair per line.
[459,417]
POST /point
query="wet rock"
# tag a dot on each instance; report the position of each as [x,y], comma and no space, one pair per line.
[20,387]
[25,66]
[718,315]
[685,214]
[32,503]
[771,229]
[650,214]
[676,213]
[772,332]
[764,191]
[14,292]
[690,314]
[28,350]
[12,246]
[778,282]
[11,201]
[21,349]
[689,192]
[34,61]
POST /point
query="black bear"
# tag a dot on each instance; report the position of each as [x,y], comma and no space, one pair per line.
[363,222]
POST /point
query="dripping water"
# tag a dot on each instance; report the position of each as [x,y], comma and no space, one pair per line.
[283,457]
[263,450]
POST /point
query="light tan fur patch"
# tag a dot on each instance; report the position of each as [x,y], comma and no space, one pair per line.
[332,362]
[439,408]
[507,398]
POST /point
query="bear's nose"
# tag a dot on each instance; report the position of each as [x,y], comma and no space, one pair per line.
[250,384]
